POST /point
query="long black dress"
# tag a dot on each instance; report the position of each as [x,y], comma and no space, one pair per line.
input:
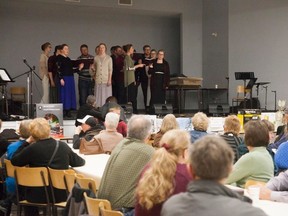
[160,74]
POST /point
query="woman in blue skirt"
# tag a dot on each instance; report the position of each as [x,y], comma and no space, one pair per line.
[67,84]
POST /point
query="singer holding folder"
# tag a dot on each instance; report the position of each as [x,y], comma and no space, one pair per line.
[101,72]
[67,84]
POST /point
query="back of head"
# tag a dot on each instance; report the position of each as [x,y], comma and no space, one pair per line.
[139,127]
[111,99]
[157,183]
[169,122]
[39,128]
[200,121]
[256,133]
[91,99]
[111,120]
[232,124]
[211,158]
[24,129]
[270,125]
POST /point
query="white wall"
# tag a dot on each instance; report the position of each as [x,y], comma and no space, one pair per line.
[172,25]
[258,36]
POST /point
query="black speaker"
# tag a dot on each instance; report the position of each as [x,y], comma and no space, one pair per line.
[219,109]
[162,109]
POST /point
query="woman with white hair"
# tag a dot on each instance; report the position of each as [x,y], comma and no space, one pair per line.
[109,137]
[200,124]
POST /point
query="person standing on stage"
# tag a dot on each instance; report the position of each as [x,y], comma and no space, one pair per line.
[118,75]
[145,59]
[43,68]
[129,77]
[160,77]
[85,83]
[53,76]
[66,76]
[101,72]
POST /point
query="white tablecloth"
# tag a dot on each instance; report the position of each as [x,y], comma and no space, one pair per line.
[272,208]
[94,166]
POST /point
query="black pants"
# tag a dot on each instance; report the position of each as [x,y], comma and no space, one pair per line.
[132,91]
[144,86]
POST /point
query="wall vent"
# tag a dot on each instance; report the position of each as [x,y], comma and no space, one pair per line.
[76,1]
[125,2]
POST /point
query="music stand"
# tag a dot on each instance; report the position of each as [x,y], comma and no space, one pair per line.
[4,79]
[245,76]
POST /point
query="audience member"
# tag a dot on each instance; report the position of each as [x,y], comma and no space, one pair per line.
[109,137]
[66,76]
[88,109]
[257,164]
[271,129]
[54,92]
[129,77]
[3,142]
[281,157]
[211,161]
[158,182]
[85,83]
[160,78]
[112,102]
[39,154]
[101,72]
[87,130]
[125,164]
[122,126]
[276,189]
[43,68]
[231,131]
[169,122]
[200,123]
[10,181]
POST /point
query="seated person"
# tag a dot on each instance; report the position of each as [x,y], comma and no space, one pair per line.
[88,109]
[257,164]
[3,143]
[231,131]
[88,129]
[12,148]
[110,103]
[109,137]
[39,154]
[271,129]
[122,126]
[125,164]
[276,189]
[281,157]
[156,185]
[200,124]
[169,122]
[206,194]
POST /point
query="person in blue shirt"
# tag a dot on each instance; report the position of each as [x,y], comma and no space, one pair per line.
[5,205]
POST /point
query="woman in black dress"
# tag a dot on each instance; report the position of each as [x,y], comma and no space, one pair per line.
[160,77]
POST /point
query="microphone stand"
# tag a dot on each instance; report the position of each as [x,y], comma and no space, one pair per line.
[29,87]
[275,98]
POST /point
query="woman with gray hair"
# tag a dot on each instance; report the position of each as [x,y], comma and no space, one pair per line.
[109,137]
[200,124]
